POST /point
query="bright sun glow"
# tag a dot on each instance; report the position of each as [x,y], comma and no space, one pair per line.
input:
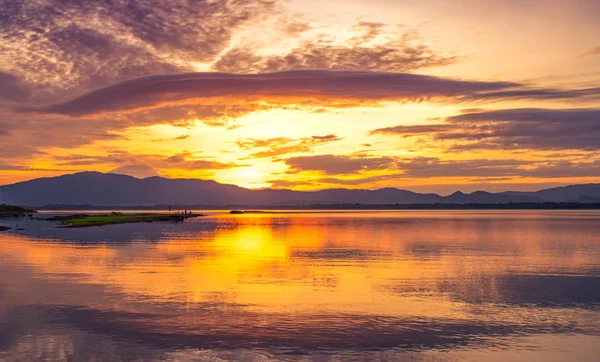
[250,177]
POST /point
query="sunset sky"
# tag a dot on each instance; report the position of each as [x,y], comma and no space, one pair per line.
[430,95]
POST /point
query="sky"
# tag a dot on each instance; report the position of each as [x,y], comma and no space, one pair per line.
[428,95]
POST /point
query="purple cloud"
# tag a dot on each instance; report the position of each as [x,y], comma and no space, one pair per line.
[522,128]
[157,90]
[333,164]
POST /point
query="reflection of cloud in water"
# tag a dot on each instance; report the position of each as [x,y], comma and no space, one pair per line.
[32,334]
[541,291]
[562,291]
[232,328]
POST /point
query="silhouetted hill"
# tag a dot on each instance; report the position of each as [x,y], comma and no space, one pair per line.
[99,189]
[482,197]
[577,193]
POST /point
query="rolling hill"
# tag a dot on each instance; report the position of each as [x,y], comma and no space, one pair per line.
[100,189]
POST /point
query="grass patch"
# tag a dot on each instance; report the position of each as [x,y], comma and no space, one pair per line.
[85,220]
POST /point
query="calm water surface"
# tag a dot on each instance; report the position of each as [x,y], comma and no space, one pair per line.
[335,286]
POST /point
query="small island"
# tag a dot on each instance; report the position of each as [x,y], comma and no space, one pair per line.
[14,211]
[241,212]
[87,220]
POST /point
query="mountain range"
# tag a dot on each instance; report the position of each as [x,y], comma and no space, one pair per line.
[106,189]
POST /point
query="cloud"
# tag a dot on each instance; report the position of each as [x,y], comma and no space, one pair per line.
[74,45]
[284,145]
[135,170]
[110,158]
[254,143]
[192,87]
[564,168]
[178,138]
[141,165]
[7,166]
[359,180]
[591,53]
[28,135]
[293,87]
[11,88]
[327,138]
[288,184]
[413,168]
[24,134]
[409,131]
[375,48]
[421,167]
[185,161]
[397,169]
[335,165]
[522,128]
[213,113]
[426,167]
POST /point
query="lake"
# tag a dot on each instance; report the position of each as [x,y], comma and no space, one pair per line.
[325,286]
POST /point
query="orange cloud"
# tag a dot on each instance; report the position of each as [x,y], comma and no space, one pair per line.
[284,145]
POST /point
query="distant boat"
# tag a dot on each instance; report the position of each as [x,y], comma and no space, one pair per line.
[236,212]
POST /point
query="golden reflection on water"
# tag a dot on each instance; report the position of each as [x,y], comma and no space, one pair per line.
[302,270]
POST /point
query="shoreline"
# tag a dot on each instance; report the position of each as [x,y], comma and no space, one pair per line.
[14,211]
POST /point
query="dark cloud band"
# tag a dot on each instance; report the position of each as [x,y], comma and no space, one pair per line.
[522,128]
[319,86]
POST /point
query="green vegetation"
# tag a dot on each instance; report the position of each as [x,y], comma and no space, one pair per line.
[11,210]
[84,220]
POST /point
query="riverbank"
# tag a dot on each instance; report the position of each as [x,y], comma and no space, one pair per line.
[87,220]
[14,211]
